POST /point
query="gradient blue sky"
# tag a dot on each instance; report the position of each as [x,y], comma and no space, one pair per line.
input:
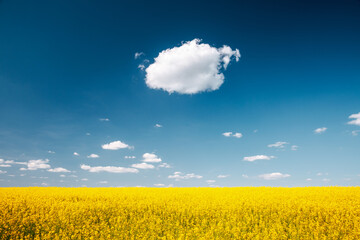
[67,65]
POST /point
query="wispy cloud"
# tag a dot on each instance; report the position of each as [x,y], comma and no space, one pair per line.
[210,181]
[181,176]
[93,155]
[110,169]
[129,157]
[159,185]
[223,176]
[320,130]
[356,117]
[138,55]
[278,145]
[104,119]
[164,165]
[273,176]
[294,147]
[257,157]
[158,125]
[355,132]
[116,145]
[51,152]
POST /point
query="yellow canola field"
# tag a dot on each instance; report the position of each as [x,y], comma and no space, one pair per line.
[180,213]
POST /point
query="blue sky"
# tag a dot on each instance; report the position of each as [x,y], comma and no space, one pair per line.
[71,82]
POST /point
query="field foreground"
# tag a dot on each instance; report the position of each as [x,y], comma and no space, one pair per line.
[180,213]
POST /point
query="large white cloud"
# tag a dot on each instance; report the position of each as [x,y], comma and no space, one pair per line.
[191,68]
[116,145]
[356,117]
[273,176]
[257,157]
[151,158]
[111,169]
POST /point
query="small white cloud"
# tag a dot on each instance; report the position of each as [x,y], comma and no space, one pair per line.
[231,134]
[84,179]
[244,176]
[51,152]
[237,135]
[111,169]
[104,119]
[59,169]
[191,68]
[2,172]
[143,165]
[320,130]
[322,174]
[257,157]
[103,182]
[116,145]
[76,154]
[278,145]
[159,185]
[273,176]
[179,176]
[62,175]
[158,125]
[151,158]
[355,132]
[93,155]
[138,55]
[129,157]
[227,134]
[36,164]
[141,67]
[164,165]
[5,165]
[294,147]
[356,117]
[326,180]
[87,134]
[223,176]
[210,181]
[44,184]
[308,179]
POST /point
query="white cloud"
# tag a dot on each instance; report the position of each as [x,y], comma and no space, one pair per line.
[143,165]
[76,154]
[227,134]
[244,176]
[356,117]
[116,145]
[308,179]
[129,157]
[326,180]
[191,68]
[111,169]
[210,181]
[294,147]
[2,172]
[320,130]
[104,119]
[151,158]
[159,185]
[222,176]
[141,67]
[158,125]
[278,145]
[179,176]
[273,176]
[36,164]
[355,132]
[103,182]
[51,152]
[84,179]
[5,165]
[230,134]
[138,55]
[164,165]
[93,155]
[59,169]
[257,157]
[62,175]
